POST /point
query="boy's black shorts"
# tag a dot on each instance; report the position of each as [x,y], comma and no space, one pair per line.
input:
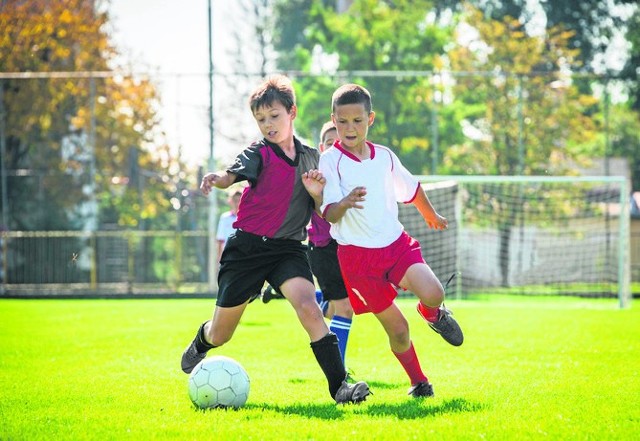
[249,260]
[325,266]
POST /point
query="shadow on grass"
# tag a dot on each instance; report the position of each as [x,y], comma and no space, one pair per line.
[373,384]
[412,409]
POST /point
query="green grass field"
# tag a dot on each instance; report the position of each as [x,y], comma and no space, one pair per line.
[548,368]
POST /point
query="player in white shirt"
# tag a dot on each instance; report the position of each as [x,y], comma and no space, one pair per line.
[364,184]
[225,223]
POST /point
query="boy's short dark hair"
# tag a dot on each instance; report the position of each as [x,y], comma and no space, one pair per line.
[325,128]
[275,88]
[351,94]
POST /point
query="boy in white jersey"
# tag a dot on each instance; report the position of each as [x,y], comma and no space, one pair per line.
[365,182]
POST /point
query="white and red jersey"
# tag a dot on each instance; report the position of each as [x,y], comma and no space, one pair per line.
[387,182]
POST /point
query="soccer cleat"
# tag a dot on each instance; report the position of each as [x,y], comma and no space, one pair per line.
[352,393]
[422,389]
[270,294]
[191,357]
[446,325]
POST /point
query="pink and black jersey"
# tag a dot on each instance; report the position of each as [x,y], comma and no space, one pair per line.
[275,204]
[387,182]
[319,231]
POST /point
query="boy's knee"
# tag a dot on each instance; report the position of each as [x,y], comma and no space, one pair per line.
[400,332]
[311,310]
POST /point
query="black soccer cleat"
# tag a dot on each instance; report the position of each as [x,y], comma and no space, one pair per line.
[446,325]
[422,389]
[352,393]
[270,294]
[191,357]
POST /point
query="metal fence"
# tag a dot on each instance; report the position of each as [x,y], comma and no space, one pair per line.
[130,263]
[104,263]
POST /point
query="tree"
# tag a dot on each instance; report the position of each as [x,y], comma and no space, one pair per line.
[528,117]
[630,71]
[72,135]
[365,38]
[592,23]
[526,120]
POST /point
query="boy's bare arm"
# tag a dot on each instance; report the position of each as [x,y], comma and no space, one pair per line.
[352,200]
[219,179]
[431,217]
[314,182]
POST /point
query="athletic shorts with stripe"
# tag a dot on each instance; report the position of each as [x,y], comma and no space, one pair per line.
[371,275]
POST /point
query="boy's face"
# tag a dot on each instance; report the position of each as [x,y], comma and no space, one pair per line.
[234,202]
[328,139]
[275,123]
[352,123]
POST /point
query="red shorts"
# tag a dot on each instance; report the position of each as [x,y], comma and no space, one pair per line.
[371,275]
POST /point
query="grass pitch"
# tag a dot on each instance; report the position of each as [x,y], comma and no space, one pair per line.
[529,369]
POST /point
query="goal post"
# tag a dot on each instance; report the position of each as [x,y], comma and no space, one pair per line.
[528,235]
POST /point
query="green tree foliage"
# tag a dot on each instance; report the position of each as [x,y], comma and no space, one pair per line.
[372,36]
[74,142]
[631,71]
[592,22]
[520,120]
[525,116]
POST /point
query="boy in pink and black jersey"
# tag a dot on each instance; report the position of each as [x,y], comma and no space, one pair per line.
[285,187]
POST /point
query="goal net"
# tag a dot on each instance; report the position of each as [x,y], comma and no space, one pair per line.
[528,235]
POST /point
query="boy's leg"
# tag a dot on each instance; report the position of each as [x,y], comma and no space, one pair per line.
[420,279]
[211,334]
[341,324]
[301,294]
[326,267]
[397,328]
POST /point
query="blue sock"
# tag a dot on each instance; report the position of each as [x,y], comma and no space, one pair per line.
[319,297]
[324,305]
[341,327]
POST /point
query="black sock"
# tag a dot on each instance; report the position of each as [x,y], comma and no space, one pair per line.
[328,355]
[201,342]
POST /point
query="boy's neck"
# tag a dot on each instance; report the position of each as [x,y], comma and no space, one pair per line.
[361,151]
[289,147]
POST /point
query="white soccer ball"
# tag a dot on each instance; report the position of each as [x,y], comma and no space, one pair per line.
[218,381]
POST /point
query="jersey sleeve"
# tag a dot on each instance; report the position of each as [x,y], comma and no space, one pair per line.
[405,184]
[247,165]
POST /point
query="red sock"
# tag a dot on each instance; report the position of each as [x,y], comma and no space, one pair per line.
[430,314]
[411,364]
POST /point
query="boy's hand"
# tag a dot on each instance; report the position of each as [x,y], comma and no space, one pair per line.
[354,198]
[438,223]
[208,182]
[314,182]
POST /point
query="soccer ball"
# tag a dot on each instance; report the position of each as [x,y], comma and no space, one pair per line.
[218,382]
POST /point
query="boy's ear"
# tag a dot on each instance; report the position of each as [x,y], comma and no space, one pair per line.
[372,116]
[293,112]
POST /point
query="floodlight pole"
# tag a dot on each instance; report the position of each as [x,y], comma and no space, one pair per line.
[213,205]
[3,166]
